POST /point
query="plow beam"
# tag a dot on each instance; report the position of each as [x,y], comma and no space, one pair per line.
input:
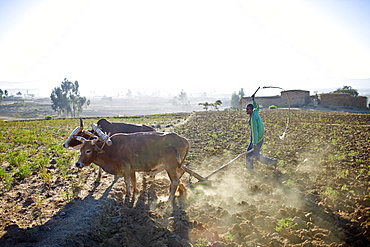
[193,173]
[228,163]
[205,179]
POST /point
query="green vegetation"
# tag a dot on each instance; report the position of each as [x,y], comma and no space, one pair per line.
[346,89]
[215,105]
[285,224]
[5,92]
[35,147]
[6,177]
[234,102]
[202,242]
[330,192]
[229,238]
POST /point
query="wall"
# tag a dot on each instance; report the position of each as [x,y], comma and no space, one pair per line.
[301,98]
[297,98]
[343,99]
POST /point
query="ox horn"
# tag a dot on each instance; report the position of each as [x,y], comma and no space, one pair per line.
[74,132]
[80,138]
[81,123]
[89,134]
[94,141]
[105,138]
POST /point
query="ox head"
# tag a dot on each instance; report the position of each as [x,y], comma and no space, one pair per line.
[88,151]
[73,142]
[104,124]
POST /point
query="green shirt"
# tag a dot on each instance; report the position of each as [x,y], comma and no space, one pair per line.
[256,124]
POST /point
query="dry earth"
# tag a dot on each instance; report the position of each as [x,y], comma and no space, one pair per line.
[317,196]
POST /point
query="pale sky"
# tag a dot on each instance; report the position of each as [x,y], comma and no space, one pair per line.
[199,46]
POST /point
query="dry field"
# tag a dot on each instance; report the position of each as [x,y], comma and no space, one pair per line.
[317,196]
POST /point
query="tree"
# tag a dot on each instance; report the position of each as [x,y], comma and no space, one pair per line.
[234,102]
[183,96]
[2,93]
[181,100]
[129,94]
[205,105]
[347,89]
[217,103]
[241,93]
[66,99]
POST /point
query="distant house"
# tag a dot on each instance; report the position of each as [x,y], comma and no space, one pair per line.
[302,98]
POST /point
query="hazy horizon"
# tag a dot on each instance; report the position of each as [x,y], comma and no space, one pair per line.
[363,87]
[163,47]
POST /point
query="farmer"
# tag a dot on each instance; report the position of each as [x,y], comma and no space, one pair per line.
[257,135]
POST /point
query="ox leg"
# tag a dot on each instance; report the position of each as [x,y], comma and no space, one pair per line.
[99,175]
[180,172]
[174,183]
[127,178]
[133,182]
[181,189]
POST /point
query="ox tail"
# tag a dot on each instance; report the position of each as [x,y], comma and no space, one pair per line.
[181,156]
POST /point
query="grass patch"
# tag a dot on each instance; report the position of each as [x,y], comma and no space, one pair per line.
[330,192]
[6,177]
[202,242]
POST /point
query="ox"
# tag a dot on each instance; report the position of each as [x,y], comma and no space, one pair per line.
[107,127]
[142,151]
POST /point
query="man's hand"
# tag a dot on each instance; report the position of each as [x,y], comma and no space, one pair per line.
[252,97]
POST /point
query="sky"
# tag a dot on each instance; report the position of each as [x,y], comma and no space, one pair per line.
[163,47]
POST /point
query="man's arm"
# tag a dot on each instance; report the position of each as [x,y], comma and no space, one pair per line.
[254,131]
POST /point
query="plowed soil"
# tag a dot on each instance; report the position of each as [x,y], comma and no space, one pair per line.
[317,196]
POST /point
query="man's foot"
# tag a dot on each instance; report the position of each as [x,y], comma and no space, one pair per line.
[275,163]
[249,166]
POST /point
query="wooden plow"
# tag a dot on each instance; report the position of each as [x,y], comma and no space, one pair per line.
[205,180]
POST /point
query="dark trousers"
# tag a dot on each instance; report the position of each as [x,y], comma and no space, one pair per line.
[257,155]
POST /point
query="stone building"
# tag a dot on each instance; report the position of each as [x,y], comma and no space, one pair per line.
[294,98]
[343,99]
[302,98]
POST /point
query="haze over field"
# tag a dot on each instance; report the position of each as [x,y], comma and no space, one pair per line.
[163,47]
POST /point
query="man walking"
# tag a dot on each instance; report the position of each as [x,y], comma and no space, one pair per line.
[257,131]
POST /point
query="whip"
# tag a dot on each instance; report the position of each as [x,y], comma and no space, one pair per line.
[288,118]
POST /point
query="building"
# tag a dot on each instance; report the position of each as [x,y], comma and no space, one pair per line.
[343,99]
[292,98]
[302,98]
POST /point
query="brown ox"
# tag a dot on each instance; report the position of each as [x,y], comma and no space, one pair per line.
[142,151]
[106,127]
